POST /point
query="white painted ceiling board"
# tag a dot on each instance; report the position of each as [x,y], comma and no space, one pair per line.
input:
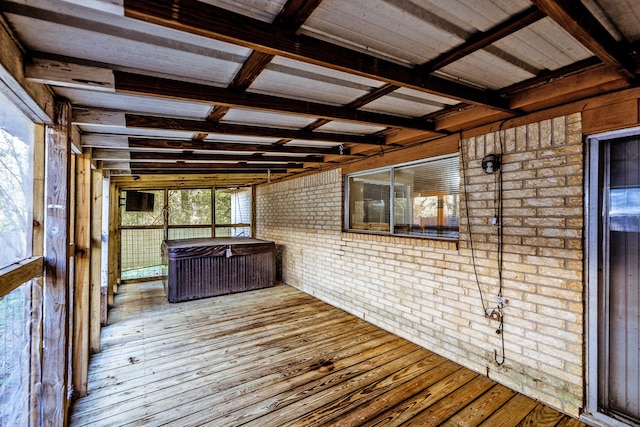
[135,103]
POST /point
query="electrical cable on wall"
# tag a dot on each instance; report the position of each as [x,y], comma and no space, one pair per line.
[490,164]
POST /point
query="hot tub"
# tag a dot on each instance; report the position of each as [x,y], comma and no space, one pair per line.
[206,267]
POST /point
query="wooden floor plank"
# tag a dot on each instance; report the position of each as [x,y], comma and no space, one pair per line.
[446,407]
[511,413]
[481,408]
[278,357]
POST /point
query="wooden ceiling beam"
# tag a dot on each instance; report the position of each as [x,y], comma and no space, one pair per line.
[192,157]
[165,123]
[164,171]
[483,39]
[241,166]
[174,89]
[578,21]
[183,145]
[210,21]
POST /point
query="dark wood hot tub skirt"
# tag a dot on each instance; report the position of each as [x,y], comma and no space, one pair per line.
[200,268]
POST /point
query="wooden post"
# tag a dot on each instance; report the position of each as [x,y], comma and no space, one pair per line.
[113,243]
[104,259]
[56,309]
[96,256]
[82,273]
[36,289]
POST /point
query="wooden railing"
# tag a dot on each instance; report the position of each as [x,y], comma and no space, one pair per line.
[21,272]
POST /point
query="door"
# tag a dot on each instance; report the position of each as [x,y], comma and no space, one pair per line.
[618,342]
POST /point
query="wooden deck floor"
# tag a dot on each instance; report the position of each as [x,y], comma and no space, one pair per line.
[278,357]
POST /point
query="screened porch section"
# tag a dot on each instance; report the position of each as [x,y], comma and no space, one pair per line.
[178,214]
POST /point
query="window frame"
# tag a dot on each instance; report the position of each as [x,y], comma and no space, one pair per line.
[391,169]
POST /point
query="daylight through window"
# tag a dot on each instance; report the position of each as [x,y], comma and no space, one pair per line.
[419,199]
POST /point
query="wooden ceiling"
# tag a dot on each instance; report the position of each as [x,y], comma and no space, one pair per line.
[241,92]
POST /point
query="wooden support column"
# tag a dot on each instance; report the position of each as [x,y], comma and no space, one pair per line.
[82,274]
[56,309]
[96,256]
[37,240]
[104,259]
[114,244]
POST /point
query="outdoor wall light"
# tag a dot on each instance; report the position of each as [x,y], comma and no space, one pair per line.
[491,163]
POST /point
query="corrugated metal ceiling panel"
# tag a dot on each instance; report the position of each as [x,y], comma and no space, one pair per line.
[295,79]
[348,127]
[117,130]
[264,118]
[134,103]
[486,70]
[408,102]
[263,10]
[544,45]
[237,139]
[623,14]
[380,28]
[216,63]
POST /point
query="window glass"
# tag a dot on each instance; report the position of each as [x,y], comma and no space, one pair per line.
[369,201]
[427,199]
[16,183]
[424,201]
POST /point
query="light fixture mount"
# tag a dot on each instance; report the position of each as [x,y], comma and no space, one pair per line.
[491,163]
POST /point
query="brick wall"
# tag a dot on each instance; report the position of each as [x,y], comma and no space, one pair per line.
[426,290]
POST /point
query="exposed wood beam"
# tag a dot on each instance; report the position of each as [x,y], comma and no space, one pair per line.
[155,86]
[66,73]
[191,157]
[373,95]
[483,39]
[210,21]
[170,144]
[241,166]
[578,21]
[295,13]
[251,69]
[152,122]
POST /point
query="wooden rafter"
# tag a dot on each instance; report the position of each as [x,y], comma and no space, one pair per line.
[184,145]
[210,21]
[483,39]
[152,122]
[191,157]
[216,166]
[578,21]
[156,86]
